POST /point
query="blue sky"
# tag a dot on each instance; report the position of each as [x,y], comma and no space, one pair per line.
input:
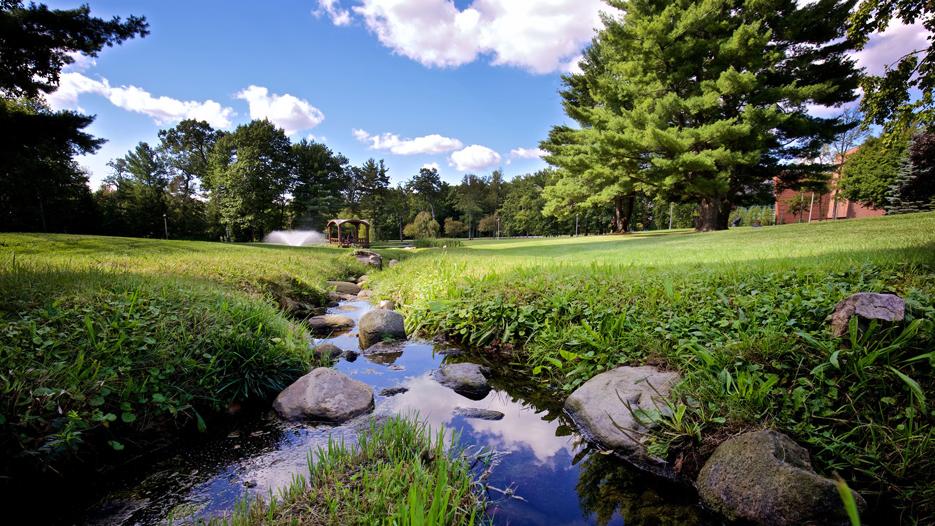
[468,85]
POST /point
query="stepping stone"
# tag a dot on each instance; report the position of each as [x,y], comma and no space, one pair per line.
[345,287]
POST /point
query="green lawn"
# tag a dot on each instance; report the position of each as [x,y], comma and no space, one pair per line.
[112,347]
[741,314]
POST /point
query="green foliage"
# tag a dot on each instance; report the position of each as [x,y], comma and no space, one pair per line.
[888,99]
[913,188]
[436,243]
[321,177]
[249,178]
[400,472]
[95,358]
[454,228]
[868,173]
[754,215]
[745,326]
[677,124]
[117,344]
[422,227]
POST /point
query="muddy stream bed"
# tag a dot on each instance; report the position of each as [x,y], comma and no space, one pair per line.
[557,478]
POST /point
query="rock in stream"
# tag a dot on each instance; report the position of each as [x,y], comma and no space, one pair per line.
[380,325]
[324,395]
[604,409]
[466,379]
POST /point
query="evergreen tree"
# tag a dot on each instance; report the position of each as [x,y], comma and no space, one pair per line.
[913,188]
[140,182]
[320,178]
[41,187]
[705,101]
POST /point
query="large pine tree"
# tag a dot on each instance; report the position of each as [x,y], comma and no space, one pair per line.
[706,101]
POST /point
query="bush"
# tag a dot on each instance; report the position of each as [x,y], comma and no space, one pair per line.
[437,243]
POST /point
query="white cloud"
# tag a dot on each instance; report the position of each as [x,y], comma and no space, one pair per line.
[81,62]
[541,36]
[289,112]
[887,47]
[427,144]
[527,153]
[474,157]
[338,16]
[431,166]
[163,110]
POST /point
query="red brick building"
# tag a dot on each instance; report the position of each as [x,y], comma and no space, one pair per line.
[817,206]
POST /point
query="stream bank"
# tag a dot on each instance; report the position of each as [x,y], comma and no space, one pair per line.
[554,477]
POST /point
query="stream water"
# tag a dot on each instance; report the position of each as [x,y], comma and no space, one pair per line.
[558,479]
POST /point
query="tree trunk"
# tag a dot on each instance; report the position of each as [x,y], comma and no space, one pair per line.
[713,214]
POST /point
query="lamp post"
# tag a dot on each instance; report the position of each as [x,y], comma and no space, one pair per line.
[165,225]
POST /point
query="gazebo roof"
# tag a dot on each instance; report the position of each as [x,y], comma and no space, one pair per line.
[340,222]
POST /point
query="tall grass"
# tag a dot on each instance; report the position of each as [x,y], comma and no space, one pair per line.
[741,314]
[113,347]
[399,472]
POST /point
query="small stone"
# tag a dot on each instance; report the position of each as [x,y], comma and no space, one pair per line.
[387,305]
[351,356]
[249,483]
[466,379]
[365,294]
[345,287]
[362,279]
[482,414]
[867,306]
[393,391]
[393,263]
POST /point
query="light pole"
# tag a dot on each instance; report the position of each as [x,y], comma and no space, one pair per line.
[498,227]
[576,225]
[165,225]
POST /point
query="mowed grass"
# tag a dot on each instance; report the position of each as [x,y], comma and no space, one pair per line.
[111,347]
[740,314]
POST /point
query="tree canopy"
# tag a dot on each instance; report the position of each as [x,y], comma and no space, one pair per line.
[703,102]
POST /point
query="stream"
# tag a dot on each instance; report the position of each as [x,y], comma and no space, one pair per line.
[556,478]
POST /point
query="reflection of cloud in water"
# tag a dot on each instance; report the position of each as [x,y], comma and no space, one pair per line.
[521,427]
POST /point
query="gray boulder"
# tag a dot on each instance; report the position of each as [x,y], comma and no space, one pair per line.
[328,323]
[324,395]
[467,379]
[764,477]
[482,414]
[328,350]
[867,306]
[369,257]
[362,279]
[610,409]
[345,287]
[380,325]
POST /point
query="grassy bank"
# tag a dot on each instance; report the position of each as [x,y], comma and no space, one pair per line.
[741,314]
[114,347]
[400,472]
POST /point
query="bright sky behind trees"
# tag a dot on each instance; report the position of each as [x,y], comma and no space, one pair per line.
[467,86]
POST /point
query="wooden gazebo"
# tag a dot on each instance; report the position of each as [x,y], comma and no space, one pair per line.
[346,232]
